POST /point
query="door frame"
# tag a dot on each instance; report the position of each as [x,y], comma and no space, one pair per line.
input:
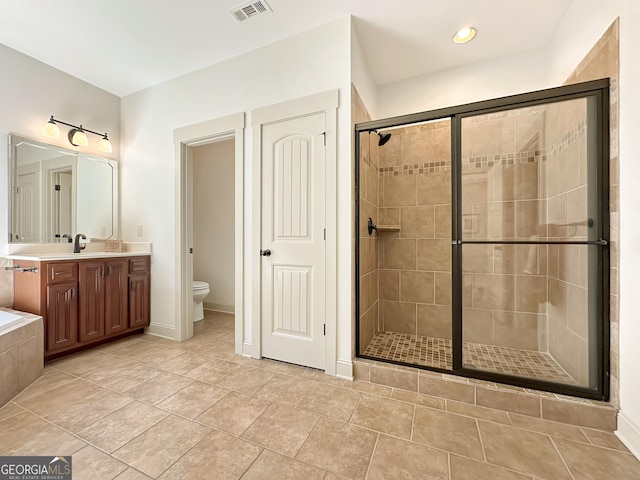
[51,167]
[184,139]
[327,103]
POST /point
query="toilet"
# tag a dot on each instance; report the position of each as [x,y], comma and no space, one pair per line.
[200,292]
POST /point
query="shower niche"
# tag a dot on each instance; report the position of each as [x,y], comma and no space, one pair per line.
[490,254]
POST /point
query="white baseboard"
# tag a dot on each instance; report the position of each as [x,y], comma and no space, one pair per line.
[247,350]
[629,434]
[220,307]
[162,331]
[344,370]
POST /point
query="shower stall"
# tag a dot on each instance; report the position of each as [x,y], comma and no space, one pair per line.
[482,240]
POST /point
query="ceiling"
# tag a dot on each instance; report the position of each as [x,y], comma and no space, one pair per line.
[124,46]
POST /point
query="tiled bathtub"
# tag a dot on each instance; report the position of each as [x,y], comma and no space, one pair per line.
[21,352]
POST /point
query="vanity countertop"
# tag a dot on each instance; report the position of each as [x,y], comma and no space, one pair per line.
[48,257]
[53,252]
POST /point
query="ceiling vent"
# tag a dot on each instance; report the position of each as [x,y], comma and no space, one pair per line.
[248,10]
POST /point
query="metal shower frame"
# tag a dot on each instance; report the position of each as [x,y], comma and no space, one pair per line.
[598,280]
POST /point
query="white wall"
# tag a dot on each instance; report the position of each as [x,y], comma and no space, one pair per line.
[308,63]
[498,77]
[629,419]
[30,92]
[213,222]
[361,75]
[583,24]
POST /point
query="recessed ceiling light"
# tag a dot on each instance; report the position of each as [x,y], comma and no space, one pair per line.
[465,35]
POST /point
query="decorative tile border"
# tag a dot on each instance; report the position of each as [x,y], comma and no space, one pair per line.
[504,159]
[488,161]
[440,166]
[569,138]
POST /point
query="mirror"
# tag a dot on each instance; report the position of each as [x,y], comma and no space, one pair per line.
[56,193]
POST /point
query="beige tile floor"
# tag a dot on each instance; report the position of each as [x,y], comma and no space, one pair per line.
[145,407]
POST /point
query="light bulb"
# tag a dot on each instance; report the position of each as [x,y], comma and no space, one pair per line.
[465,35]
[50,129]
[104,145]
[78,138]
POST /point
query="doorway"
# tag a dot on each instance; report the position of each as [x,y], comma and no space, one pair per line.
[483,240]
[213,233]
[227,131]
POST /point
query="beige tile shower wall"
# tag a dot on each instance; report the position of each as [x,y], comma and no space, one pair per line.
[503,193]
[505,287]
[566,173]
[368,163]
[415,263]
[603,61]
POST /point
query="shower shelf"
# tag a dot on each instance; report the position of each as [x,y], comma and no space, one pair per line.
[389,228]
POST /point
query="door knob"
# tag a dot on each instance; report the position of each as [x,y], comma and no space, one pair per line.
[265,253]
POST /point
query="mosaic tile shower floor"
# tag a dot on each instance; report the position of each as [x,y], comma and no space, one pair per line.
[436,353]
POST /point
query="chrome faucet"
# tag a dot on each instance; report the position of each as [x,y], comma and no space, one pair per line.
[76,245]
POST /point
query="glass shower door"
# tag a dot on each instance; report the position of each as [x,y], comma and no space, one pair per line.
[404,237]
[529,228]
[482,235]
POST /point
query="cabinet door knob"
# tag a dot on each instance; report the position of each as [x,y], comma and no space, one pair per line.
[265,253]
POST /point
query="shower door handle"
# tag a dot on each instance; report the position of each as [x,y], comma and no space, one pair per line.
[265,253]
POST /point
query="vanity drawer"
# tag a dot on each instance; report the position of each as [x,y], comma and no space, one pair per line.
[62,272]
[139,265]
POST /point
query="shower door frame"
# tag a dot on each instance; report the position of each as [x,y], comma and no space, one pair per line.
[599,90]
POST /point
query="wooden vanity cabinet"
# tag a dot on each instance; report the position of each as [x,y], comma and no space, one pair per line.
[103,298]
[116,297]
[139,293]
[61,306]
[85,302]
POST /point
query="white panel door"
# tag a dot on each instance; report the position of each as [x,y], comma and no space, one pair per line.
[27,213]
[293,221]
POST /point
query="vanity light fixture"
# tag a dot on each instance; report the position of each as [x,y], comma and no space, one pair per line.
[50,129]
[465,35]
[77,135]
[104,145]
